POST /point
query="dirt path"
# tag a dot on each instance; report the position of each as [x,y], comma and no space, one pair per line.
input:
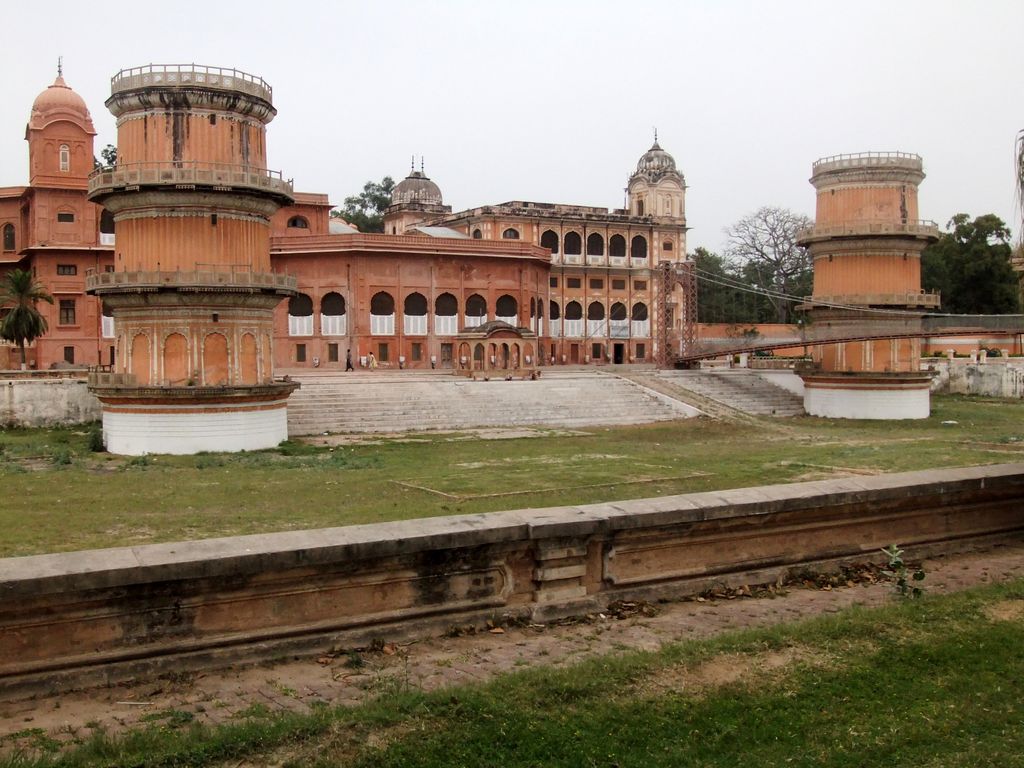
[432,663]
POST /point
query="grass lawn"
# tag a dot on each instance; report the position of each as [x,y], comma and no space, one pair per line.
[59,497]
[933,682]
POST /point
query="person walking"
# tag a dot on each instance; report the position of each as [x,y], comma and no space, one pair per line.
[373,361]
[348,361]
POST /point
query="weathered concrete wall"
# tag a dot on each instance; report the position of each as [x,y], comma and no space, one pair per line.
[46,402]
[998,377]
[98,616]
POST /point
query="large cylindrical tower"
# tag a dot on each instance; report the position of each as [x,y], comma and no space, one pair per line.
[192,293]
[866,245]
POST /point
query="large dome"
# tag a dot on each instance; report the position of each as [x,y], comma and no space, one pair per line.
[416,188]
[59,102]
[656,160]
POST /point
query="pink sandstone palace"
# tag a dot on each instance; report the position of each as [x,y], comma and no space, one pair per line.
[580,281]
[188,272]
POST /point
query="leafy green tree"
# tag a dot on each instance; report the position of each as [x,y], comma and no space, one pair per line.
[970,266]
[22,323]
[107,158]
[366,210]
[762,249]
[718,301]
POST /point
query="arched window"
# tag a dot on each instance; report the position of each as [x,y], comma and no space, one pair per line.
[595,245]
[476,310]
[414,314]
[556,311]
[618,322]
[107,323]
[617,246]
[641,323]
[506,309]
[640,207]
[106,227]
[638,247]
[573,244]
[65,158]
[573,322]
[667,246]
[477,234]
[300,315]
[595,319]
[446,315]
[510,234]
[549,240]
[333,321]
[298,222]
[382,314]
[9,237]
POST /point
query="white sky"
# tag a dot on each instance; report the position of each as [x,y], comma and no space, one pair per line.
[555,101]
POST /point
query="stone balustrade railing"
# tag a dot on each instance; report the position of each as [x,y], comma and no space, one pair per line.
[861,159]
[208,276]
[880,299]
[155,75]
[913,228]
[188,173]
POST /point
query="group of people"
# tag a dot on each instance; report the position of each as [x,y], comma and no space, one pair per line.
[371,361]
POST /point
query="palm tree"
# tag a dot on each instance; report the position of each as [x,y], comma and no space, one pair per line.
[19,294]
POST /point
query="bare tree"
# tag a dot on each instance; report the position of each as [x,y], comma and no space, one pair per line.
[762,247]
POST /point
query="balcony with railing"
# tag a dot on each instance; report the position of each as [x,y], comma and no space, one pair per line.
[187,174]
[920,299]
[178,75]
[868,159]
[205,276]
[917,228]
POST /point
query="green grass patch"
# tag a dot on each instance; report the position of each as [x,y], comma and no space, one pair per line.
[59,495]
[933,682]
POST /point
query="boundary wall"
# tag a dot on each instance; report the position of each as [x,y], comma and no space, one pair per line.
[97,617]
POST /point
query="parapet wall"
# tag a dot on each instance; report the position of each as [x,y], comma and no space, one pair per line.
[99,616]
[46,402]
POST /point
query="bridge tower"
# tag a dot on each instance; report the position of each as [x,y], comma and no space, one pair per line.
[192,292]
[866,245]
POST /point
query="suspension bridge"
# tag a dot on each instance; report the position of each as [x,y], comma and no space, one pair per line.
[683,344]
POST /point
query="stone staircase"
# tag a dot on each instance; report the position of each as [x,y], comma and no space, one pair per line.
[740,389]
[407,401]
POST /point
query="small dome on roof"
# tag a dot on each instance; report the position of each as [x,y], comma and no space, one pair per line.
[59,102]
[416,188]
[657,160]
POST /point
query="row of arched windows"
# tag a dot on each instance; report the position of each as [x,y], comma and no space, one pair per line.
[596,311]
[333,315]
[572,244]
[618,322]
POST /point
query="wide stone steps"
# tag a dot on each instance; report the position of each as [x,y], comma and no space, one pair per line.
[743,390]
[413,401]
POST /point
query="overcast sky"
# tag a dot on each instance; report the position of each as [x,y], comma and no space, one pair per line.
[555,101]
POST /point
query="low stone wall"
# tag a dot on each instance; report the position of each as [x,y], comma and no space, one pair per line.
[996,377]
[45,401]
[98,616]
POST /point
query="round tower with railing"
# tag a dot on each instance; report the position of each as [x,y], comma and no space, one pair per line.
[866,245]
[192,292]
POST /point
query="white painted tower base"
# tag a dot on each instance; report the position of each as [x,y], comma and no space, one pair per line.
[184,421]
[867,395]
